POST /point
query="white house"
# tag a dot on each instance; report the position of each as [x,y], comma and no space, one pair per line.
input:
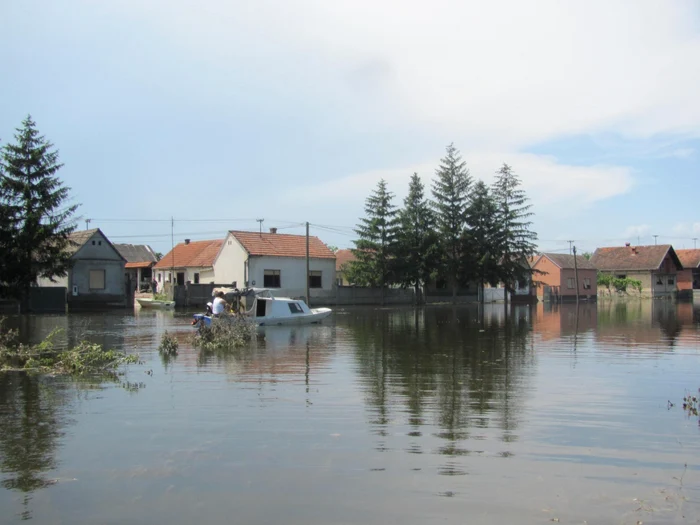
[96,276]
[277,261]
[189,261]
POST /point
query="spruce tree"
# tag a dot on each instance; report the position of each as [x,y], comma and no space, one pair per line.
[482,236]
[417,241]
[36,208]
[515,239]
[451,198]
[375,250]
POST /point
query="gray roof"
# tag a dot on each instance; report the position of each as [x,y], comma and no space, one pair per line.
[80,237]
[136,252]
[566,261]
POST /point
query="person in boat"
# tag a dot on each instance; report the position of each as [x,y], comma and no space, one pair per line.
[219,306]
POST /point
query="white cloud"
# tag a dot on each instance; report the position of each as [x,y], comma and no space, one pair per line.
[499,75]
[684,229]
[682,153]
[641,230]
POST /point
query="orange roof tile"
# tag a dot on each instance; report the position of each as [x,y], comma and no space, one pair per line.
[282,245]
[195,254]
[343,257]
[689,258]
[632,257]
[140,264]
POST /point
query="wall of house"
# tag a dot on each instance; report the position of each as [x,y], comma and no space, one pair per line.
[114,291]
[292,273]
[645,277]
[206,275]
[549,276]
[685,280]
[229,266]
[567,274]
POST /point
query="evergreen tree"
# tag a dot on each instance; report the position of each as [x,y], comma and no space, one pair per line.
[417,241]
[375,251]
[515,240]
[35,207]
[451,198]
[482,236]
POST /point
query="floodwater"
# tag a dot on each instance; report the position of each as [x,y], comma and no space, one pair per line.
[380,415]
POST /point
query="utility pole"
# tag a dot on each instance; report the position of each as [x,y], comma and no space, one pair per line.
[695,243]
[570,243]
[654,236]
[260,221]
[308,299]
[172,259]
[576,273]
[87,223]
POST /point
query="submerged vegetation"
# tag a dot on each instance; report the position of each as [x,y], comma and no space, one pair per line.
[620,285]
[168,345]
[83,359]
[222,335]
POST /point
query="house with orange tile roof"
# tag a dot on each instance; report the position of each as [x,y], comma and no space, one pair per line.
[689,277]
[656,266]
[140,260]
[274,260]
[556,277]
[343,258]
[189,261]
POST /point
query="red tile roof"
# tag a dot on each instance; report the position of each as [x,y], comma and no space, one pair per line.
[141,264]
[343,257]
[195,254]
[632,257]
[565,261]
[689,258]
[282,245]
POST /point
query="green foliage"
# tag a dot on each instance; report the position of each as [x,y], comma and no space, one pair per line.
[161,297]
[85,358]
[224,334]
[417,241]
[619,285]
[587,255]
[35,213]
[168,345]
[375,250]
[482,236]
[450,201]
[332,248]
[515,241]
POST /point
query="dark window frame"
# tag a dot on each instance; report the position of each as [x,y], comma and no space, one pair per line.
[273,279]
[295,308]
[315,279]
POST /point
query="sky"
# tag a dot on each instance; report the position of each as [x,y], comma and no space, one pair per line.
[214,114]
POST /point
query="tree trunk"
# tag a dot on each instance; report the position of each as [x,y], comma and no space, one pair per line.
[416,291]
[24,304]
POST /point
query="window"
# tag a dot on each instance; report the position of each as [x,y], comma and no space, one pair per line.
[97,279]
[160,275]
[295,308]
[196,278]
[621,276]
[671,280]
[586,283]
[272,279]
[93,243]
[314,279]
[659,280]
[570,283]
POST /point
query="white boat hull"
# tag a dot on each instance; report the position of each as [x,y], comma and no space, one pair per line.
[315,316]
[151,303]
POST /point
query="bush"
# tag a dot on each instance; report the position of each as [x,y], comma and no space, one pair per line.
[168,345]
[224,333]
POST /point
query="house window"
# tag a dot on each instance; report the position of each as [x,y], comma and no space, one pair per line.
[671,281]
[160,275]
[621,276]
[97,279]
[93,243]
[659,280]
[295,308]
[570,283]
[314,279]
[272,279]
[196,278]
[586,283]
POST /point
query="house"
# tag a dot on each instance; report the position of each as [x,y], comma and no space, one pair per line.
[657,266]
[140,260]
[689,277]
[343,258]
[555,277]
[273,260]
[96,277]
[189,261]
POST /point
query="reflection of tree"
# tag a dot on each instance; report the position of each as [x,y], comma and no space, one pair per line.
[30,427]
[444,363]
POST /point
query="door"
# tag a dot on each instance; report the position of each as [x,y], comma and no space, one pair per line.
[181,278]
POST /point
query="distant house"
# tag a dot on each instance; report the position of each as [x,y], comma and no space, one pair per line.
[689,277]
[343,258]
[140,260]
[278,261]
[96,277]
[657,266]
[189,261]
[555,277]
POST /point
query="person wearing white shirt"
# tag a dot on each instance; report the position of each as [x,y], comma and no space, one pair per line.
[219,306]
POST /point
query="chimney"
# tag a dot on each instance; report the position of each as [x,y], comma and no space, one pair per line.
[187,241]
[627,244]
[273,230]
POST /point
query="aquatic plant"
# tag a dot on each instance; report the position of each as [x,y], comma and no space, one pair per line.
[224,334]
[168,345]
[690,405]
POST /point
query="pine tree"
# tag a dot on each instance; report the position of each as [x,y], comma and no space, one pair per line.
[35,205]
[515,240]
[417,241]
[375,250]
[482,236]
[451,198]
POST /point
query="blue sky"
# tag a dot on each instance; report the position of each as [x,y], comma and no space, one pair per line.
[219,113]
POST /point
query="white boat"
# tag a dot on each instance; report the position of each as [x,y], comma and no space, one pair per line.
[146,302]
[268,310]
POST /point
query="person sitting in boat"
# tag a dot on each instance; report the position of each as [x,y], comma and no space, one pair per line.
[219,306]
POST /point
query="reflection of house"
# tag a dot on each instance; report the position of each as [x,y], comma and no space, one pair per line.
[189,261]
[655,266]
[343,258]
[96,276]
[557,279]
[689,277]
[272,260]
[140,260]
[551,320]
